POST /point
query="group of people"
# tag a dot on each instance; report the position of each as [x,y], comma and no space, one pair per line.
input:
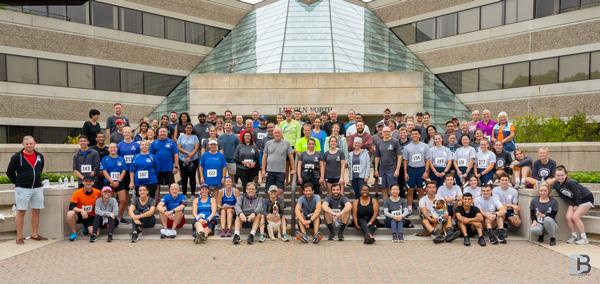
[466,179]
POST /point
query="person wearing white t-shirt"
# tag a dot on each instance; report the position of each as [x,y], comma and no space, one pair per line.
[510,199]
[427,209]
[493,212]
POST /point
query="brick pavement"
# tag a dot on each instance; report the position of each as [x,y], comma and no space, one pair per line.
[276,262]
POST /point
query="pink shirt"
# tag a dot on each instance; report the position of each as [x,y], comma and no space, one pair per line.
[487,128]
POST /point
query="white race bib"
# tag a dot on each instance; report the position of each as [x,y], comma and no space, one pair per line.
[397,212]
[440,161]
[416,158]
[356,168]
[482,163]
[115,176]
[128,159]
[248,161]
[261,136]
[309,166]
[142,174]
[85,169]
[211,173]
[462,162]
[201,216]
[380,181]
[87,209]
[336,210]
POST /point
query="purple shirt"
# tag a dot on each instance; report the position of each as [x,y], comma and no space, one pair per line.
[487,128]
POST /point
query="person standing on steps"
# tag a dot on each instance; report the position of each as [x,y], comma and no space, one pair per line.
[415,166]
[580,200]
[388,157]
[25,172]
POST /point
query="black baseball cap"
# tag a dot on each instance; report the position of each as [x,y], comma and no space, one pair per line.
[88,178]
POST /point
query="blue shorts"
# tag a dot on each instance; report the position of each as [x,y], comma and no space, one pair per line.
[415,177]
[510,212]
[26,196]
[387,180]
[487,177]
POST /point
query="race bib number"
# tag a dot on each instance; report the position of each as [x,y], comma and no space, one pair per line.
[115,176]
[417,158]
[336,210]
[87,209]
[380,181]
[128,159]
[142,174]
[462,162]
[482,163]
[211,173]
[248,161]
[397,212]
[86,169]
[440,161]
[356,168]
[309,166]
[261,136]
[201,216]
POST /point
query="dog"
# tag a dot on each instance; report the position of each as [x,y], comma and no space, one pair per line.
[441,214]
[274,222]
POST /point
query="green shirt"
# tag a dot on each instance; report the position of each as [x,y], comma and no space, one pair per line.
[301,145]
[291,131]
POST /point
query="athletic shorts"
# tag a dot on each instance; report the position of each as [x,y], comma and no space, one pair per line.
[165,178]
[312,224]
[26,196]
[211,225]
[332,180]
[170,223]
[587,201]
[247,224]
[387,180]
[85,222]
[510,212]
[415,177]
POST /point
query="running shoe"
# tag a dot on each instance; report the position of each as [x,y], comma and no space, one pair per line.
[572,240]
[196,237]
[285,238]
[331,236]
[93,238]
[72,236]
[123,221]
[84,230]
[400,238]
[229,233]
[163,233]
[317,238]
[394,238]
[202,236]
[109,238]
[481,241]
[134,237]
[172,234]
[369,239]
[236,239]
[467,241]
[261,237]
[452,235]
[541,239]
[340,235]
[583,241]
[552,241]
[250,239]
[223,233]
[301,237]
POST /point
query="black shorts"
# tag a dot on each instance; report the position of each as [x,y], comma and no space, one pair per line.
[332,180]
[85,222]
[165,178]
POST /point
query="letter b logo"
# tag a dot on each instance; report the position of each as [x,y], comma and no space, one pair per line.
[579,264]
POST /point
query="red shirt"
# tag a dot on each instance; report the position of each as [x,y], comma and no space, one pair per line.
[31,158]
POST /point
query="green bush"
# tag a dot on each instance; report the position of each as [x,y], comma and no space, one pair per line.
[586,177]
[50,176]
[539,129]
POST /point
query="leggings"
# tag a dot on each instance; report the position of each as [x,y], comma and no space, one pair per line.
[188,172]
[364,227]
[397,226]
[548,226]
[98,222]
[246,175]
[357,184]
[147,222]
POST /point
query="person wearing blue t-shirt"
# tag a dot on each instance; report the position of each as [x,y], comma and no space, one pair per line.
[114,170]
[212,167]
[165,150]
[170,210]
[143,170]
[127,149]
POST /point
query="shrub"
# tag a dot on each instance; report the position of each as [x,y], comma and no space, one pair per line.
[540,129]
[586,177]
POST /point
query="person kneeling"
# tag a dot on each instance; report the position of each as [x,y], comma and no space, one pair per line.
[336,209]
[469,217]
[248,210]
[141,212]
[308,213]
[204,210]
[543,211]
[170,211]
[106,210]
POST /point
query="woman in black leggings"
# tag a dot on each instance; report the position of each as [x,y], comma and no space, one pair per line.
[364,211]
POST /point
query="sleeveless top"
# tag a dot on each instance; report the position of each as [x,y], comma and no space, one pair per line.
[365,211]
[204,208]
[228,200]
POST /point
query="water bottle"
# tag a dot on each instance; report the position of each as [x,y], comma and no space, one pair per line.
[71,181]
[66,183]
[60,181]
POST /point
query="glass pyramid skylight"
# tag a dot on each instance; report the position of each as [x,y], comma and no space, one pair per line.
[327,36]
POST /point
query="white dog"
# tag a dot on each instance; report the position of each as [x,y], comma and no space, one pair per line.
[274,222]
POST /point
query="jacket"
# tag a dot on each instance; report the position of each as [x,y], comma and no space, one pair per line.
[248,206]
[365,163]
[22,174]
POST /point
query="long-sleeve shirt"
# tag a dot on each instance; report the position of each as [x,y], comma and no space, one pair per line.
[571,192]
[549,209]
[394,208]
[86,162]
[105,210]
[248,205]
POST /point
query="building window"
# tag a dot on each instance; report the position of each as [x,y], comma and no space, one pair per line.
[426,30]
[160,84]
[545,8]
[490,78]
[175,29]
[544,71]
[452,81]
[468,21]
[107,78]
[469,81]
[131,20]
[516,75]
[446,25]
[40,10]
[21,69]
[492,15]
[2,67]
[104,15]
[78,13]
[57,10]
[80,76]
[569,5]
[589,3]
[194,33]
[510,11]
[213,36]
[52,72]
[525,10]
[574,67]
[406,33]
[595,67]
[154,25]
[132,81]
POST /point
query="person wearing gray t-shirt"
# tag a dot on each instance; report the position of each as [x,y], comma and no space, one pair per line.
[493,212]
[308,211]
[388,157]
[336,209]
[274,160]
[415,167]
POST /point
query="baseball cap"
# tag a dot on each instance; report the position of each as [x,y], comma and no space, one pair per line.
[106,188]
[212,142]
[262,117]
[273,188]
[380,123]
[88,178]
[119,121]
[204,185]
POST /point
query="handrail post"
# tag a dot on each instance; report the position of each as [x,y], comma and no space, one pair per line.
[293,197]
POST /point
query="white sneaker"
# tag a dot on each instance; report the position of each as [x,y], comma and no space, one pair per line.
[572,240]
[172,233]
[582,241]
[163,232]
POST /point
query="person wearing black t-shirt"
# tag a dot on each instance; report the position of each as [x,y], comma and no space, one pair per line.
[102,150]
[469,218]
[91,126]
